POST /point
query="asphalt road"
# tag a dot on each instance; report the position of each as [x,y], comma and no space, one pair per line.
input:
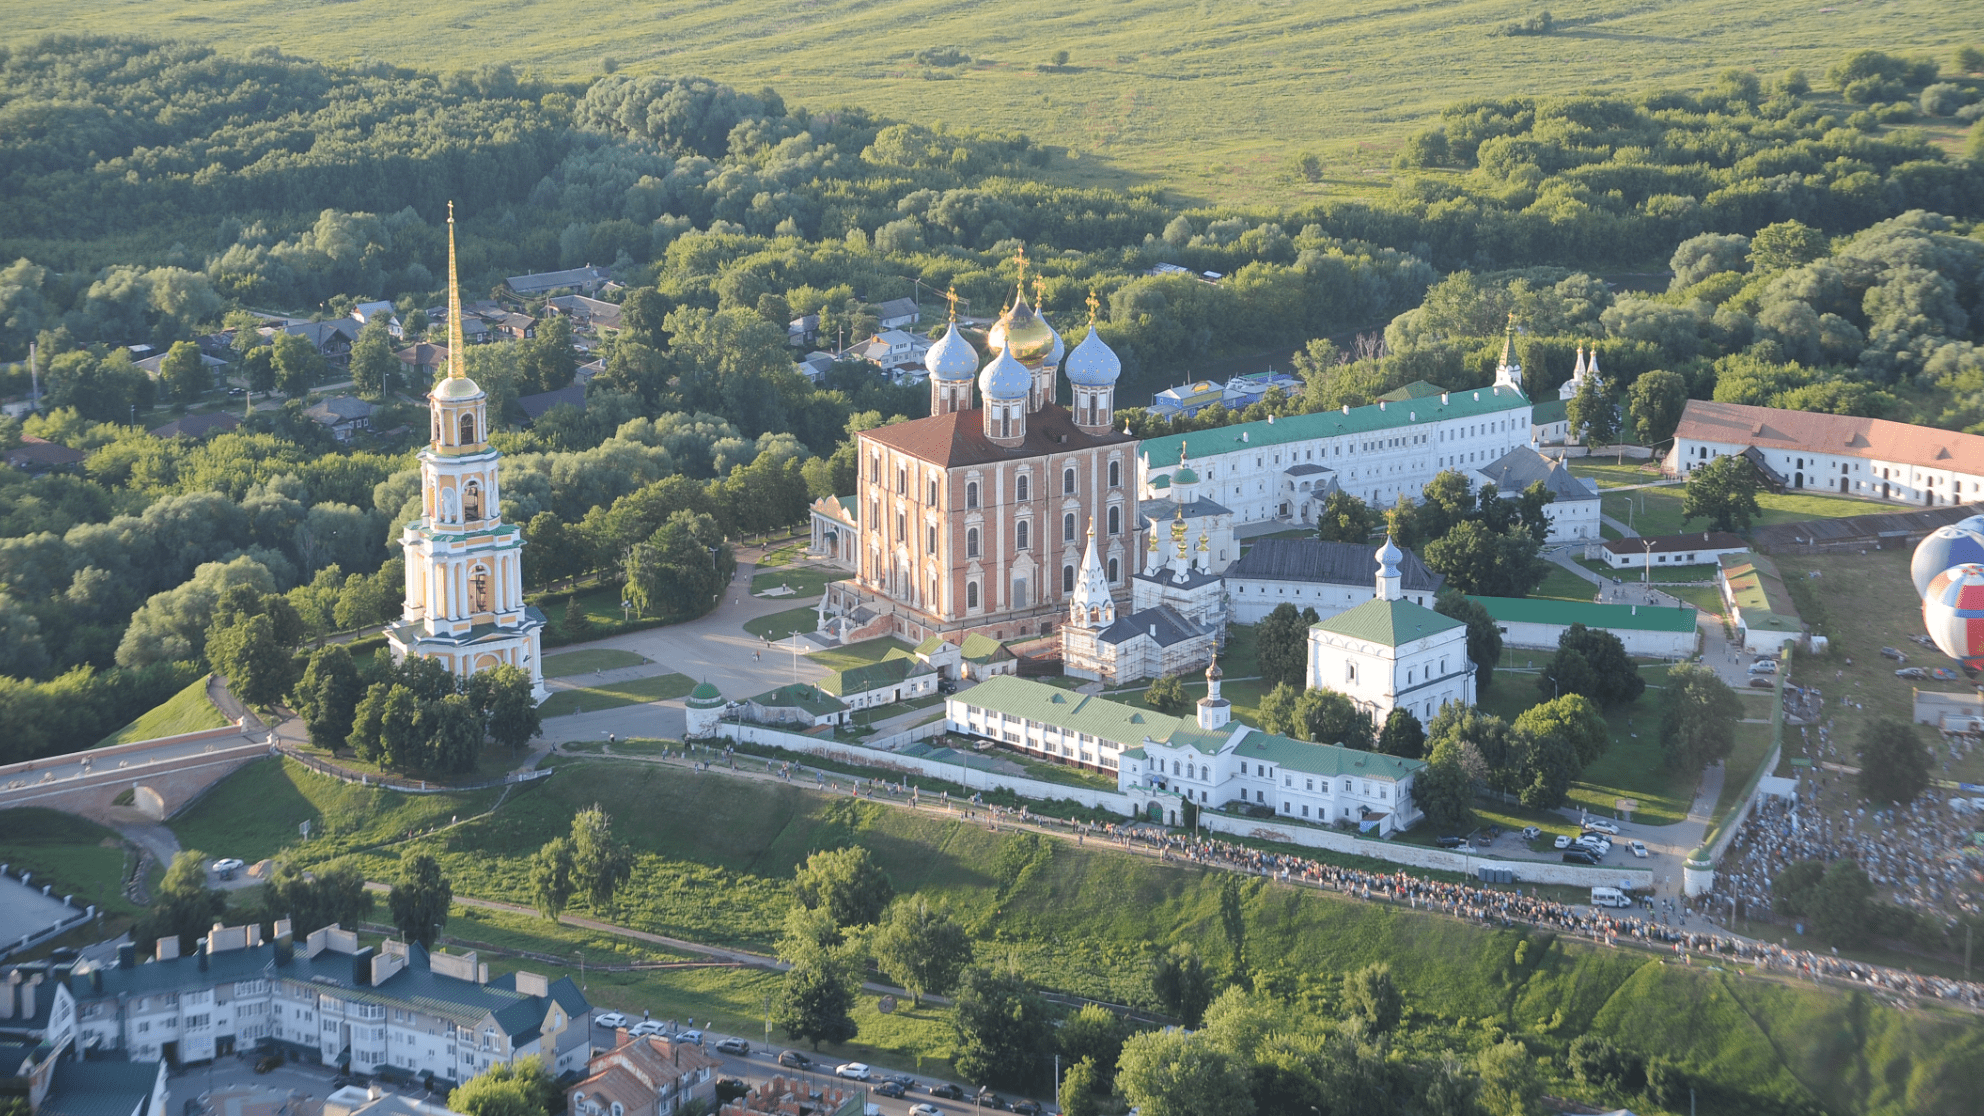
[54,769]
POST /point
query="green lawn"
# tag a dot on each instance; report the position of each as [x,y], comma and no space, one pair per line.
[1657,511]
[1609,475]
[1661,574]
[781,625]
[1239,86]
[805,581]
[784,556]
[78,857]
[859,654]
[604,616]
[585,662]
[186,711]
[610,695]
[1633,767]
[1563,585]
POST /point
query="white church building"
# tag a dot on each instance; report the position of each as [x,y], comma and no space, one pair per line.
[1390,652]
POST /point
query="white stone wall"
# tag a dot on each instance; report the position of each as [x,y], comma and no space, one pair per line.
[1251,599]
[1651,644]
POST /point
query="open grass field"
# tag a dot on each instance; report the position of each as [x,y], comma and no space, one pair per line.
[1633,767]
[1563,585]
[186,711]
[781,625]
[806,582]
[1210,101]
[1608,474]
[1657,511]
[610,695]
[859,654]
[585,662]
[79,857]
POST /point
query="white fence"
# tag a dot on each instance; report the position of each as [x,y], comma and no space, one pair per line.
[1418,856]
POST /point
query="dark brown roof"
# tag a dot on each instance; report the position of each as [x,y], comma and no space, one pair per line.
[1740,424]
[1668,544]
[197,426]
[959,438]
[36,451]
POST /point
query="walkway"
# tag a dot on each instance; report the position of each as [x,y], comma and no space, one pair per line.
[1616,525]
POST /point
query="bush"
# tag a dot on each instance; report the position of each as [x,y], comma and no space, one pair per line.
[1944,99]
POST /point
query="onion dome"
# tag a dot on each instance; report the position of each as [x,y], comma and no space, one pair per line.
[1389,556]
[952,358]
[1093,363]
[1005,378]
[1953,612]
[1184,475]
[1023,334]
[705,696]
[1213,673]
[1162,481]
[1944,547]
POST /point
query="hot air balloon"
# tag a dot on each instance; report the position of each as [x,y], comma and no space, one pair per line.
[1953,612]
[1943,548]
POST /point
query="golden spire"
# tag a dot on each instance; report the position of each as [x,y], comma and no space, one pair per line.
[1094,304]
[951,296]
[455,345]
[1509,342]
[1181,451]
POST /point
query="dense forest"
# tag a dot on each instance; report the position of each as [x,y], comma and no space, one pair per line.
[1822,249]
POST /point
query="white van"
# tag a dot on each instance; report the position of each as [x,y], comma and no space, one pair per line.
[1609,897]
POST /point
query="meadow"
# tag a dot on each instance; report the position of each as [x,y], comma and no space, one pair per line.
[186,711]
[1657,511]
[1208,101]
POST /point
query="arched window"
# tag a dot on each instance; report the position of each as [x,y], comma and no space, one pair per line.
[1019,535]
[971,495]
[468,430]
[472,501]
[971,542]
[971,594]
[1112,571]
[1115,474]
[1019,489]
[1115,519]
[1068,481]
[1019,592]
[1068,527]
[933,492]
[1067,579]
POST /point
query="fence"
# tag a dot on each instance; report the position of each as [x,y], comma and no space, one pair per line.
[407,786]
[1418,856]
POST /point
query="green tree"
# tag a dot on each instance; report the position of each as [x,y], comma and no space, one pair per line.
[1443,789]
[330,893]
[258,368]
[576,625]
[1281,640]
[450,734]
[1078,1089]
[1181,982]
[548,554]
[921,948]
[1592,662]
[1551,744]
[1722,491]
[1842,904]
[1171,1073]
[681,570]
[420,898]
[1167,695]
[846,883]
[1345,518]
[1510,1082]
[600,863]
[1002,1027]
[183,906]
[1370,994]
[1329,717]
[1796,886]
[1785,245]
[1403,735]
[519,1088]
[1484,637]
[504,705]
[298,365]
[373,365]
[258,669]
[1655,402]
[550,872]
[1894,765]
[1094,1034]
[1233,926]
[400,744]
[1486,563]
[1593,419]
[815,1002]
[1698,717]
[328,694]
[183,373]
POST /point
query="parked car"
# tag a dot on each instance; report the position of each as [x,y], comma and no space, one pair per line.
[227,866]
[853,1071]
[1600,825]
[1580,856]
[891,1089]
[794,1059]
[1762,684]
[946,1090]
[1531,833]
[902,1079]
[734,1046]
[1764,666]
[1639,848]
[611,1019]
[1563,841]
[925,1110]
[1944,674]
[267,1062]
[645,1028]
[992,1100]
[1451,842]
[690,1036]
[1892,653]
[1914,673]
[1924,641]
[1027,1108]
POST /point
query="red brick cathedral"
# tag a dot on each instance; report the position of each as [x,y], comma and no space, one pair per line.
[974,519]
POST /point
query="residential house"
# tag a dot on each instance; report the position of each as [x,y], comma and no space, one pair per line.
[783,1096]
[536,406]
[893,350]
[424,361]
[1330,577]
[152,365]
[363,312]
[394,1008]
[36,456]
[799,703]
[898,677]
[332,339]
[1645,630]
[1843,454]
[1572,515]
[814,365]
[896,313]
[514,326]
[584,280]
[589,315]
[1696,548]
[982,656]
[1758,603]
[648,1076]
[585,372]
[345,415]
[802,331]
[197,426]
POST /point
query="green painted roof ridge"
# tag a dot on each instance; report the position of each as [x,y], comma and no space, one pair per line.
[1163,452]
[1380,621]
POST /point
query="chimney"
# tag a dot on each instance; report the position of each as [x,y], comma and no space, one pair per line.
[482,972]
[285,943]
[361,967]
[200,952]
[166,948]
[127,954]
[28,996]
[533,984]
[96,982]
[8,997]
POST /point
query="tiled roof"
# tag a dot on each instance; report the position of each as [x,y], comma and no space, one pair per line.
[959,438]
[1162,452]
[1614,617]
[100,1088]
[423,354]
[1669,544]
[1333,563]
[197,426]
[341,407]
[35,451]
[1513,472]
[1323,759]
[1389,623]
[1845,435]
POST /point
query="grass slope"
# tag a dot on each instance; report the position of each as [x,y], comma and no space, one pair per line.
[585,662]
[611,695]
[1209,99]
[186,711]
[79,857]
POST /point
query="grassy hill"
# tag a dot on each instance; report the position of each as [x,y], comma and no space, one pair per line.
[186,711]
[716,852]
[1208,99]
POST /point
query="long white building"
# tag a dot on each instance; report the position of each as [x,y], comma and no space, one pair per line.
[1850,456]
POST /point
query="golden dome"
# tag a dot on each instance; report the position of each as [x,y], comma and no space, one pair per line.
[1022,333]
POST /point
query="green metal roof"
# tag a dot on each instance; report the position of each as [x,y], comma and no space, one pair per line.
[1209,444]
[893,668]
[930,645]
[1759,593]
[1417,389]
[800,695]
[1388,622]
[705,696]
[1323,759]
[980,648]
[1549,411]
[1037,701]
[1641,618]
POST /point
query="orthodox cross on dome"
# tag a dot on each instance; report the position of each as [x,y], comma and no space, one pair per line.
[1039,293]
[951,296]
[1019,258]
[1094,304]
